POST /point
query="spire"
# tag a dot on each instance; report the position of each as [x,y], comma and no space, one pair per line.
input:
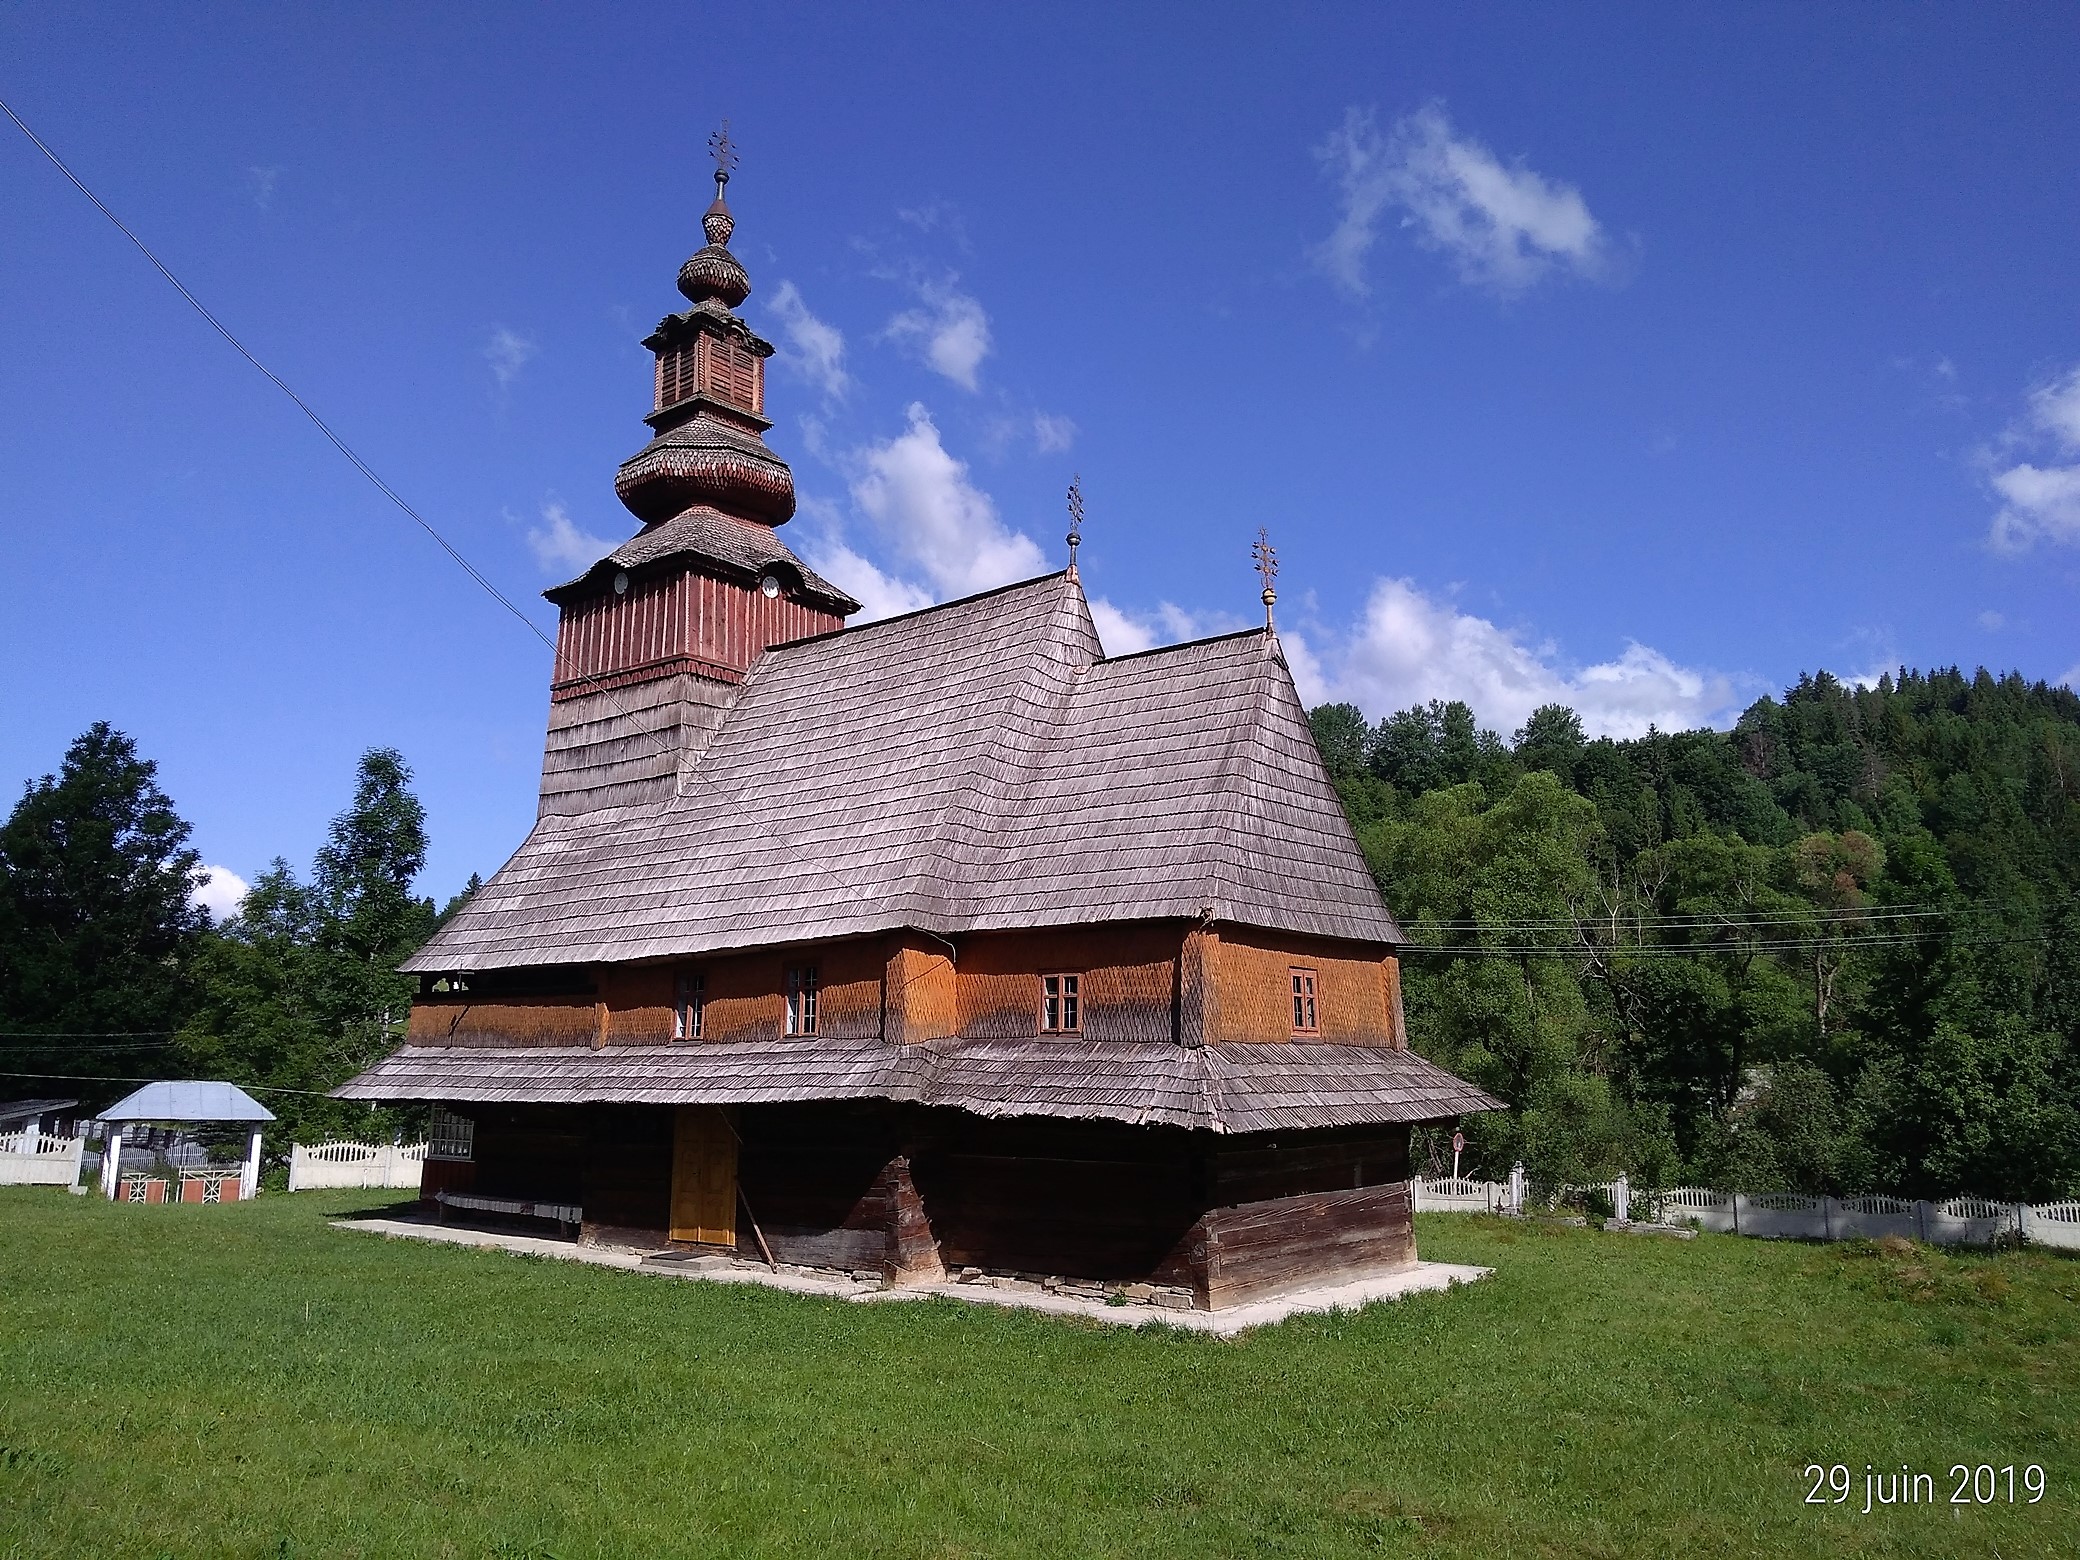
[717,223]
[1075,520]
[710,402]
[1267,566]
[713,272]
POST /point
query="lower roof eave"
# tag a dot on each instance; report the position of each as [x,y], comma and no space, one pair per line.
[1226,1089]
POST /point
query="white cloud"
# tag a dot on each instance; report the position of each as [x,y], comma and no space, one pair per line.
[1123,632]
[560,545]
[879,594]
[1409,649]
[2070,677]
[507,351]
[1052,434]
[1992,622]
[951,332]
[927,510]
[814,348]
[2041,501]
[261,181]
[1503,227]
[2055,409]
[1119,633]
[220,892]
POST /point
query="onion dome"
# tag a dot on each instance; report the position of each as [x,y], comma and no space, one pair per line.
[713,272]
[706,460]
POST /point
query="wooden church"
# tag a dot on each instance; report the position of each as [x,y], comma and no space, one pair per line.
[942,942]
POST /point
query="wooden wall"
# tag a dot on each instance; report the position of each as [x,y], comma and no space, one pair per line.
[816,1178]
[1247,983]
[678,621]
[1145,981]
[919,991]
[1129,980]
[1087,1199]
[908,1192]
[464,1020]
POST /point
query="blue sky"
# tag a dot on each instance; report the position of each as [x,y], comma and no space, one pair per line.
[1639,357]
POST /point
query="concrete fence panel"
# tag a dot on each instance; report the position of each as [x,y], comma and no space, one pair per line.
[1446,1195]
[1783,1216]
[34,1159]
[2052,1224]
[355,1164]
[1699,1205]
[1870,1218]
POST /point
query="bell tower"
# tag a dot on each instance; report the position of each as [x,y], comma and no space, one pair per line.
[655,637]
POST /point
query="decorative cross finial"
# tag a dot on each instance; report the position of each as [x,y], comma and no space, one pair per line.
[1267,566]
[1075,518]
[724,151]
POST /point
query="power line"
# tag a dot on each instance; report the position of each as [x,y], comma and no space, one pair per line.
[557,657]
[1703,950]
[250,1088]
[275,379]
[86,1034]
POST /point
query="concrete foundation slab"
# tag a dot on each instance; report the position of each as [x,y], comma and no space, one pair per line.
[1423,1277]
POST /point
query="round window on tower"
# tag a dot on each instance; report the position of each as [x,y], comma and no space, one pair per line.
[621,584]
[769,586]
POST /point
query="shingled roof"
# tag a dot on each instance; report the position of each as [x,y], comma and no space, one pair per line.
[975,766]
[1216,1088]
[742,546]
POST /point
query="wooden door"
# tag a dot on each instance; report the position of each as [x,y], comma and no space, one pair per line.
[704,1177]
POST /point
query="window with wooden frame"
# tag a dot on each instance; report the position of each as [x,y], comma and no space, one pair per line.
[1061,1004]
[449,1136]
[1305,1019]
[801,999]
[687,1008]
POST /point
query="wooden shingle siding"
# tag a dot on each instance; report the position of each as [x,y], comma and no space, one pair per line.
[1128,987]
[626,747]
[505,1021]
[919,998]
[1253,990]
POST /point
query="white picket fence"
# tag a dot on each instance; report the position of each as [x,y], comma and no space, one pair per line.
[34,1158]
[355,1164]
[1959,1221]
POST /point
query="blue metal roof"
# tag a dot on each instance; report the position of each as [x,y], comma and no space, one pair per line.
[188,1099]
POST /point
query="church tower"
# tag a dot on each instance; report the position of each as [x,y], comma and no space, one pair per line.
[655,637]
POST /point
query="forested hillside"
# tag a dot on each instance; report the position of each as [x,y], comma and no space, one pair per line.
[1836,948]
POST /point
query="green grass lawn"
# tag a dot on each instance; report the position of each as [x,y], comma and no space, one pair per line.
[246,1381]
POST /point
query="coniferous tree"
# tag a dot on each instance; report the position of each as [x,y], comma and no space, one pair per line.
[98,925]
[301,990]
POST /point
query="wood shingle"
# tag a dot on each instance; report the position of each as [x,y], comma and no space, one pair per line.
[978,766]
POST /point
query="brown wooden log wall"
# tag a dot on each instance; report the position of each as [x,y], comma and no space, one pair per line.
[907,1192]
[819,1181]
[628,1173]
[1258,1249]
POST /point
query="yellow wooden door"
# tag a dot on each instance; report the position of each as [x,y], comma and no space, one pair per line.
[704,1177]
